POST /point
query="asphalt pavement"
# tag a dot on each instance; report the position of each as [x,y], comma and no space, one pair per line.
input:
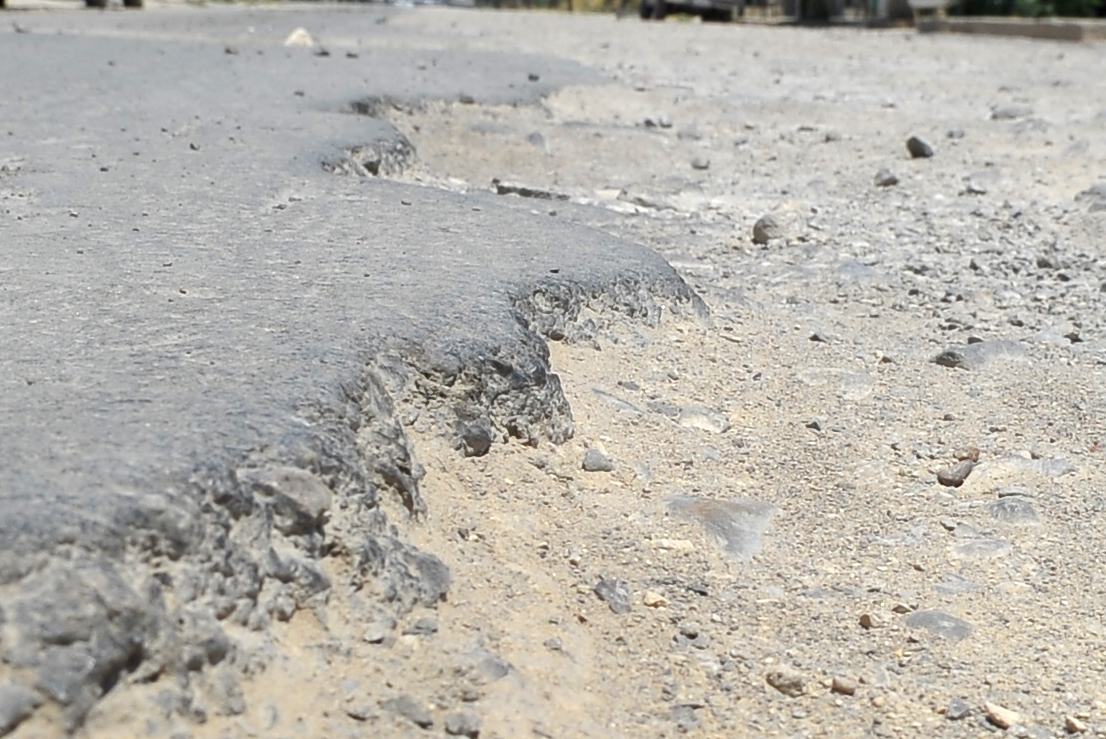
[206,328]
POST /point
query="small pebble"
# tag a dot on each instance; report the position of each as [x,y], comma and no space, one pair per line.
[787,681]
[653,599]
[410,709]
[919,148]
[462,724]
[783,224]
[700,163]
[1074,725]
[953,476]
[844,685]
[597,461]
[1000,716]
[886,178]
[957,709]
[615,594]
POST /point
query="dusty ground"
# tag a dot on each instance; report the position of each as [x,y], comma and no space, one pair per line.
[808,407]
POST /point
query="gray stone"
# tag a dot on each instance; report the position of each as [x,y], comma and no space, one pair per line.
[596,461]
[615,594]
[957,709]
[919,148]
[706,419]
[686,717]
[689,133]
[17,703]
[475,437]
[981,354]
[664,408]
[489,664]
[985,548]
[1093,199]
[424,626]
[782,224]
[788,681]
[953,476]
[700,162]
[410,709]
[738,525]
[361,710]
[1013,509]
[886,178]
[690,629]
[463,724]
[1010,112]
[955,584]
[940,624]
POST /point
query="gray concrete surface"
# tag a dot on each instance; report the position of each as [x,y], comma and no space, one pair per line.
[192,304]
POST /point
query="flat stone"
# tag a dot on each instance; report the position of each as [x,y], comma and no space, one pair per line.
[940,624]
[1013,509]
[699,417]
[843,685]
[377,632]
[523,190]
[424,626]
[738,525]
[979,355]
[1010,112]
[984,548]
[954,584]
[410,709]
[361,710]
[700,163]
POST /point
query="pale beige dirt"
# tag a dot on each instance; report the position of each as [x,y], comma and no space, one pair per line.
[863,531]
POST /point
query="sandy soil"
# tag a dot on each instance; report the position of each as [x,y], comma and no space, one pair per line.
[776,554]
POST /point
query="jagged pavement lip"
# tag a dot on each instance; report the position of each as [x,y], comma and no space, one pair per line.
[95,628]
[128,543]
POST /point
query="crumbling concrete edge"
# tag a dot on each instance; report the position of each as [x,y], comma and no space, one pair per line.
[236,544]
